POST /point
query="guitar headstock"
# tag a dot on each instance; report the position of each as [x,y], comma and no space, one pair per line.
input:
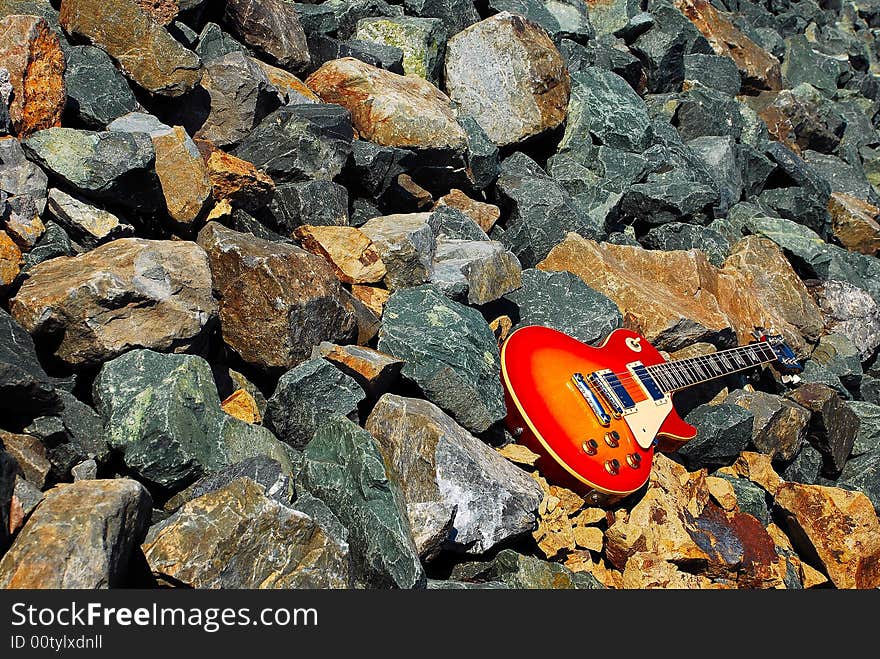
[786,361]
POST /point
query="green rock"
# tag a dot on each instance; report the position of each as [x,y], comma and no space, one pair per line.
[343,467]
[755,169]
[721,158]
[675,235]
[706,111]
[483,161]
[321,513]
[805,467]
[372,169]
[541,211]
[452,223]
[300,142]
[422,41]
[613,15]
[54,242]
[524,572]
[97,93]
[450,353]
[349,12]
[868,438]
[713,71]
[724,431]
[322,203]
[163,416]
[455,14]
[750,498]
[869,390]
[564,302]
[214,43]
[619,169]
[660,202]
[820,374]
[604,106]
[863,474]
[802,63]
[116,167]
[842,176]
[838,354]
[450,584]
[306,395]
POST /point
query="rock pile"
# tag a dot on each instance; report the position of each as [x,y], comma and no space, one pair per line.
[252,256]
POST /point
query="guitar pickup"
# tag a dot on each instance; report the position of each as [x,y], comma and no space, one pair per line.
[613,391]
[592,400]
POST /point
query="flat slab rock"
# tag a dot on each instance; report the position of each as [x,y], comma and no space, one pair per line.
[436,461]
[81,536]
[146,293]
[238,537]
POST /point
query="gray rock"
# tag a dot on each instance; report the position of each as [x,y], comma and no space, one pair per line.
[22,182]
[661,202]
[851,312]
[25,388]
[97,93]
[114,166]
[240,98]
[349,12]
[676,235]
[437,461]
[406,244]
[238,537]
[322,203]
[8,471]
[214,43]
[780,426]
[451,584]
[325,49]
[869,389]
[817,373]
[453,223]
[540,211]
[343,467]
[843,177]
[805,467]
[450,353]
[163,416]
[720,155]
[483,161]
[833,424]
[713,71]
[863,474]
[803,63]
[88,225]
[868,438]
[275,479]
[455,14]
[85,471]
[507,74]
[83,535]
[724,432]
[524,572]
[28,496]
[373,168]
[5,98]
[838,354]
[750,498]
[475,271]
[271,27]
[604,106]
[300,142]
[306,395]
[564,302]
[705,111]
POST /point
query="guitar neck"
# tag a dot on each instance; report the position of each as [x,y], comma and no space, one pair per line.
[683,373]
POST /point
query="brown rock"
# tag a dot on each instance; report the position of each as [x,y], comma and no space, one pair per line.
[387,108]
[31,52]
[25,232]
[347,249]
[811,577]
[277,301]
[722,491]
[144,50]
[374,371]
[368,323]
[555,533]
[649,570]
[837,527]
[854,223]
[124,294]
[272,27]
[590,516]
[589,537]
[372,297]
[756,467]
[10,260]
[162,11]
[186,184]
[30,454]
[290,88]
[780,426]
[414,193]
[519,454]
[508,75]
[236,180]
[486,215]
[242,405]
[82,535]
[759,69]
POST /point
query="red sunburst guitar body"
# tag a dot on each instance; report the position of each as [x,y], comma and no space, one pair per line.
[548,413]
[596,415]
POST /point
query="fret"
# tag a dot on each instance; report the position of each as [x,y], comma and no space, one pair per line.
[683,373]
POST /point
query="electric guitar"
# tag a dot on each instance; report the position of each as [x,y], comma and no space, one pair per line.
[596,415]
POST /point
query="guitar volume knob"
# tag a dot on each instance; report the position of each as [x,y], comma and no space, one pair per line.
[612,438]
[634,460]
[590,446]
[612,466]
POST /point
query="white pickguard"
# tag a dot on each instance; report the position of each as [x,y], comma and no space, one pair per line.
[647,417]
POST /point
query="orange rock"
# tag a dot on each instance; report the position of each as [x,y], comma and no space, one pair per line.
[589,537]
[854,223]
[722,491]
[811,577]
[348,249]
[373,370]
[838,526]
[10,259]
[162,11]
[590,516]
[554,533]
[186,184]
[486,215]
[422,198]
[242,405]
[373,297]
[31,52]
[236,180]
[519,454]
[571,501]
[758,468]
[387,108]
[288,85]
[759,69]
[651,570]
[25,232]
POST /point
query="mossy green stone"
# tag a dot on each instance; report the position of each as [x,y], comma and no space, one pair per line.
[421,40]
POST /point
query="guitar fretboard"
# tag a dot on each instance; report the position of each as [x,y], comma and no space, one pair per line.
[682,373]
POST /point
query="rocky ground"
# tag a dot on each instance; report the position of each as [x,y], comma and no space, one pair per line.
[252,252]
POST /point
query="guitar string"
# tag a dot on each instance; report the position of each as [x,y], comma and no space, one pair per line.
[675,371]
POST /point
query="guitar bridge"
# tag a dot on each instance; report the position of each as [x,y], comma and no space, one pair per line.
[592,400]
[613,391]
